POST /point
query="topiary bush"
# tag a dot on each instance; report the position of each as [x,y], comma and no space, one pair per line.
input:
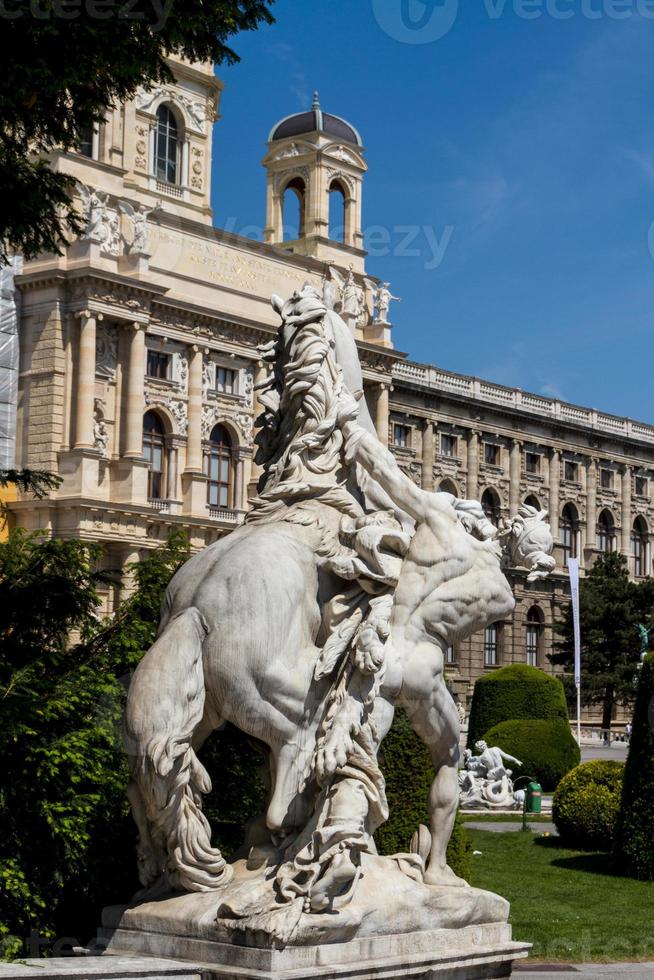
[586,804]
[635,830]
[516,691]
[546,748]
[408,771]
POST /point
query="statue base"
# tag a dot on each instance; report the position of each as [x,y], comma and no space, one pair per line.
[393,927]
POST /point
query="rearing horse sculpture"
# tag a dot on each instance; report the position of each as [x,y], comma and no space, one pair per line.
[305,628]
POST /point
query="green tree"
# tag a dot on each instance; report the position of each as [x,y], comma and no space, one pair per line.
[634,840]
[37,482]
[63,812]
[65,64]
[610,606]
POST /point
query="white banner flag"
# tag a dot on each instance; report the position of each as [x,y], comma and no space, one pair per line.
[573,571]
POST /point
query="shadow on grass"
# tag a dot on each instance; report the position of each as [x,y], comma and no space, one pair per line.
[592,862]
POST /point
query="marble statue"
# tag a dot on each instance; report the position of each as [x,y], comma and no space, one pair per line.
[485,781]
[101,221]
[530,543]
[139,217]
[305,628]
[383,299]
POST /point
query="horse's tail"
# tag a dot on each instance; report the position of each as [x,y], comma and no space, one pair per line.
[165,705]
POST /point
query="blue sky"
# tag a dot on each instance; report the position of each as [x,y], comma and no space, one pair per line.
[520,153]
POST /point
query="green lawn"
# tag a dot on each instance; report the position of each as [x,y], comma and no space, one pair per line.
[573,906]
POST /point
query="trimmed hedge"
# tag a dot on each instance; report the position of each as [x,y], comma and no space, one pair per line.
[586,804]
[516,691]
[635,830]
[408,771]
[546,748]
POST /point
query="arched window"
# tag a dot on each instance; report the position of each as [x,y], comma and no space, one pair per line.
[569,531]
[606,532]
[166,165]
[491,505]
[337,198]
[154,450]
[492,643]
[449,486]
[640,547]
[293,204]
[535,621]
[532,501]
[220,490]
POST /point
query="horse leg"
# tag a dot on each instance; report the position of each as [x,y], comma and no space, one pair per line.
[164,723]
[434,718]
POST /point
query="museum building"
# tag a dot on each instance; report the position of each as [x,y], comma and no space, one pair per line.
[130,364]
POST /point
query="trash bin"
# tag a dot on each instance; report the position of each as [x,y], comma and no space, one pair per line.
[534,798]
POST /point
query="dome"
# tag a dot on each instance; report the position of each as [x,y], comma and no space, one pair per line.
[314,121]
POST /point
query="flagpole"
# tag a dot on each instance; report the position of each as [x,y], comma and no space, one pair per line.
[573,572]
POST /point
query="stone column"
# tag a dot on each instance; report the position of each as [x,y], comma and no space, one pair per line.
[171,480]
[591,504]
[428,455]
[238,481]
[626,513]
[381,414]
[68,383]
[555,483]
[514,476]
[472,486]
[85,382]
[135,395]
[194,440]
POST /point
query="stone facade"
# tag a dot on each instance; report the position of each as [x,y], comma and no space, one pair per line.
[139,364]
[593,472]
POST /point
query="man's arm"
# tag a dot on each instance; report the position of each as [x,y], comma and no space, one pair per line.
[366,449]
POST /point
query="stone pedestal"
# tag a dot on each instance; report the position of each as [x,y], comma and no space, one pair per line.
[130,480]
[194,493]
[80,469]
[393,927]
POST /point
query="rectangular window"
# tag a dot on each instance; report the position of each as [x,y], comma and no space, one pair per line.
[606,479]
[491,454]
[570,471]
[532,463]
[532,645]
[158,365]
[641,486]
[448,445]
[449,655]
[225,380]
[491,645]
[401,435]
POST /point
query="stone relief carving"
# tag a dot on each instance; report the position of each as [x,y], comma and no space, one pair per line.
[248,386]
[334,518]
[197,168]
[137,244]
[196,110]
[106,350]
[345,179]
[180,371]
[102,226]
[342,153]
[177,409]
[100,430]
[529,542]
[288,151]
